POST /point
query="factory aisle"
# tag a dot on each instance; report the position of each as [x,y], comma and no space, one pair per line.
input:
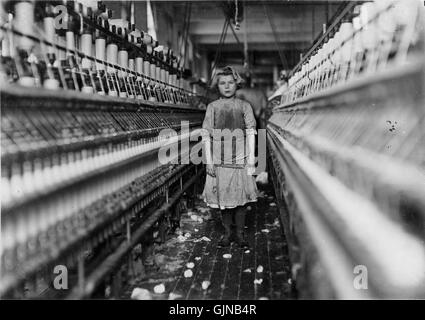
[189,264]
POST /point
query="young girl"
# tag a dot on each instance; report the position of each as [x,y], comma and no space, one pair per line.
[229,149]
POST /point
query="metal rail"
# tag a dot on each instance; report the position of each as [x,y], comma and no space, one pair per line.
[86,226]
[113,260]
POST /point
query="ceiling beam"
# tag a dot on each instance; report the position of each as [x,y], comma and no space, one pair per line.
[256,46]
[255,10]
[254,26]
[256,38]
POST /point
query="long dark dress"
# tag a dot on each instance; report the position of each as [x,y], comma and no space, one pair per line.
[232,186]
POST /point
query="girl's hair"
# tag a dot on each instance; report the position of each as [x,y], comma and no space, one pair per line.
[227,71]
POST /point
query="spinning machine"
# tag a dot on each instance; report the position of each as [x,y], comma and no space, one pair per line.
[87,102]
[347,150]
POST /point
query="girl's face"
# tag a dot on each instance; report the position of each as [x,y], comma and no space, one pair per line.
[227,86]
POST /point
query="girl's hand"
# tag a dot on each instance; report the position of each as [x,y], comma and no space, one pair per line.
[211,170]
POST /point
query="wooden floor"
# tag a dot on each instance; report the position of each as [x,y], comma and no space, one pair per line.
[262,272]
